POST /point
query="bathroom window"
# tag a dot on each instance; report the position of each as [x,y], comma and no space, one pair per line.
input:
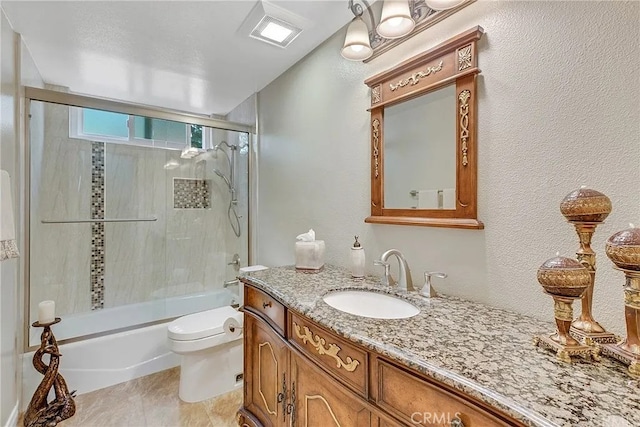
[107,126]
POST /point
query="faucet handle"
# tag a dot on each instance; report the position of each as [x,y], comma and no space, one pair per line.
[437,274]
[387,280]
[427,290]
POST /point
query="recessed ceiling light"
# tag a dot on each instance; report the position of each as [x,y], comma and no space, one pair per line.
[275,32]
[273,24]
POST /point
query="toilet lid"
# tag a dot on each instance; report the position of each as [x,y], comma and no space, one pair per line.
[200,325]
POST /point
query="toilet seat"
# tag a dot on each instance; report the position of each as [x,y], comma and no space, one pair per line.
[203,325]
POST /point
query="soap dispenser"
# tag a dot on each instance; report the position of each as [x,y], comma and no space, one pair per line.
[357,259]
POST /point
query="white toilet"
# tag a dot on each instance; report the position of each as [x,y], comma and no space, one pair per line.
[211,359]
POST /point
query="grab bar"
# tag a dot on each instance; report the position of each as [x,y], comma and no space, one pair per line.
[78,221]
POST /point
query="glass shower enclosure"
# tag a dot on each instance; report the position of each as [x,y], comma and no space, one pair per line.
[133,218]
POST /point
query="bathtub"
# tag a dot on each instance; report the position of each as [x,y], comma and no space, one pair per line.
[94,363]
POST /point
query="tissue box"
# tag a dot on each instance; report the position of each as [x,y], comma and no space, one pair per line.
[310,255]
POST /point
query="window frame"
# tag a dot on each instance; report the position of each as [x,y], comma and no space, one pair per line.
[76,131]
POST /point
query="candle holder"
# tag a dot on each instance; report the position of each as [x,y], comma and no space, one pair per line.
[566,280]
[586,209]
[40,412]
[623,248]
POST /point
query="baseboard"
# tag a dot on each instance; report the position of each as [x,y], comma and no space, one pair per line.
[13,418]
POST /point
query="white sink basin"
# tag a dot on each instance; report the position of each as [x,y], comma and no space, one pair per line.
[371,304]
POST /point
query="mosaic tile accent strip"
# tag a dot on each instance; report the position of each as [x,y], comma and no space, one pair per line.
[8,249]
[191,193]
[97,228]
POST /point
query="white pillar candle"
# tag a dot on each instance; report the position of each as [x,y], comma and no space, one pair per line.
[46,312]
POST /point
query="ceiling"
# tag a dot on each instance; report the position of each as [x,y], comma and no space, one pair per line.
[184,55]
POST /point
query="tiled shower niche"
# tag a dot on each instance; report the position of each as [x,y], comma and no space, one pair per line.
[191,193]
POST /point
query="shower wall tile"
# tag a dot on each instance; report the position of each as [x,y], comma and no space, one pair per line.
[61,185]
[135,262]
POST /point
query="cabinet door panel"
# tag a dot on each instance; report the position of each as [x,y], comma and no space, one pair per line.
[320,401]
[265,368]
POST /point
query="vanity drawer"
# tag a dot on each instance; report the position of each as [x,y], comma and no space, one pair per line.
[270,309]
[416,401]
[336,355]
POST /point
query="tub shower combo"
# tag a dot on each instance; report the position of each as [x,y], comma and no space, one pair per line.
[135,217]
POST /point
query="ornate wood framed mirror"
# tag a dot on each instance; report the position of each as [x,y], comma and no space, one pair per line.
[423,138]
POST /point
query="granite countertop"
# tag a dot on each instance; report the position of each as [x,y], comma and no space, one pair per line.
[485,352]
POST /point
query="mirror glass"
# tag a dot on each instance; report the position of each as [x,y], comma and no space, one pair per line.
[420,152]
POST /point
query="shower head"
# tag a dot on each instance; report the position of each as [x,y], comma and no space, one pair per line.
[230,147]
[206,155]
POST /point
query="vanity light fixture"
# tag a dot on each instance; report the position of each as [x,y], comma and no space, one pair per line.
[395,22]
[443,4]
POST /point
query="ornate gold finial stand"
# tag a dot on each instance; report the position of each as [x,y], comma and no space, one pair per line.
[41,413]
[585,328]
[586,209]
[623,249]
[562,343]
[566,280]
[628,351]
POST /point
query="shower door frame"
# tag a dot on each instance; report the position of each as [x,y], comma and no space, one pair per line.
[105,104]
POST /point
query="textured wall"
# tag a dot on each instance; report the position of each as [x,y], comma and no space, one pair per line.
[557,109]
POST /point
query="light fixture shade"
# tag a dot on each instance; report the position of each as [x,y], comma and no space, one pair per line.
[396,20]
[357,46]
[443,4]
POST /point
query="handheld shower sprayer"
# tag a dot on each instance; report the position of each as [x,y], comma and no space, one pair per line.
[234,218]
[221,175]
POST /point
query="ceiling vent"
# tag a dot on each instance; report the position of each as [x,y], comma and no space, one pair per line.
[272,24]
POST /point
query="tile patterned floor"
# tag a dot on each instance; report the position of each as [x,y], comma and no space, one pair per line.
[152,401]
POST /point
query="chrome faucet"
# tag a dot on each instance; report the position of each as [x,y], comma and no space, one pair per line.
[427,290]
[404,276]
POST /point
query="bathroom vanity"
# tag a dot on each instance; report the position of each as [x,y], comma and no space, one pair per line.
[456,363]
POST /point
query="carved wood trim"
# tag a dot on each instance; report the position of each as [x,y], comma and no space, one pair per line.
[465,57]
[275,360]
[464,124]
[376,95]
[414,78]
[307,398]
[332,350]
[375,133]
[468,37]
[452,62]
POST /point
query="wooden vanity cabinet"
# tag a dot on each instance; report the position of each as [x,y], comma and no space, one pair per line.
[299,374]
[320,401]
[266,363]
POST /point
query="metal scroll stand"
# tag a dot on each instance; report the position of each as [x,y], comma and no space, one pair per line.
[40,412]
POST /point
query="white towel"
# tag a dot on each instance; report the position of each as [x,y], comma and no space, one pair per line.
[428,199]
[449,198]
[8,247]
